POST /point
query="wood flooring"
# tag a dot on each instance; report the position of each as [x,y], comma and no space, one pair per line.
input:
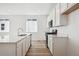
[38,48]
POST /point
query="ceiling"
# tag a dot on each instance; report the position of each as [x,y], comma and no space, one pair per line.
[25,8]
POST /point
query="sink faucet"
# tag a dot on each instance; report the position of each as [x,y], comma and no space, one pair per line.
[20,30]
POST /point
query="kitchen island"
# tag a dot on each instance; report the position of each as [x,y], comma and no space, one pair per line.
[18,46]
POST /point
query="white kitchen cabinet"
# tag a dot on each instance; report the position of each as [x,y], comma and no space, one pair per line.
[60,19]
[63,7]
[15,48]
[24,46]
[19,51]
[57,45]
[20,48]
[53,16]
[50,43]
[60,46]
[7,49]
[57,15]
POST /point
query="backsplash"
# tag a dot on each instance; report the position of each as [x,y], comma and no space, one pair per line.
[60,31]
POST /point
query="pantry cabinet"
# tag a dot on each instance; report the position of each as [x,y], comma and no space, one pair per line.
[57,45]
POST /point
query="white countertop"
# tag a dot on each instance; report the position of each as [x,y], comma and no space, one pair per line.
[59,36]
[13,39]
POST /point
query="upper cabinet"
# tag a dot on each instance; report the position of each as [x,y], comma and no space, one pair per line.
[51,16]
[59,13]
[60,19]
[57,23]
[56,16]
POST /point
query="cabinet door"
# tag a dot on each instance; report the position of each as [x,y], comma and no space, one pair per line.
[63,7]
[26,44]
[50,41]
[19,49]
[60,19]
[24,47]
[29,40]
[57,15]
[52,46]
[60,47]
[53,16]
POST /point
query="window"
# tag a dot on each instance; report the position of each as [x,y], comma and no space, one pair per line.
[31,25]
[4,25]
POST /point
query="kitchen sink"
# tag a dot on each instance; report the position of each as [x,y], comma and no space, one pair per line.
[22,35]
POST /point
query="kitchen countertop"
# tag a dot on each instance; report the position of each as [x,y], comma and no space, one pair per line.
[59,36]
[13,39]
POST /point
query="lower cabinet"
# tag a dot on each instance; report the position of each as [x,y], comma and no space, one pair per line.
[57,45]
[50,42]
[23,46]
[18,48]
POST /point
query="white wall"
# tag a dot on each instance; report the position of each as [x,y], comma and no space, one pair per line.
[72,31]
[17,21]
